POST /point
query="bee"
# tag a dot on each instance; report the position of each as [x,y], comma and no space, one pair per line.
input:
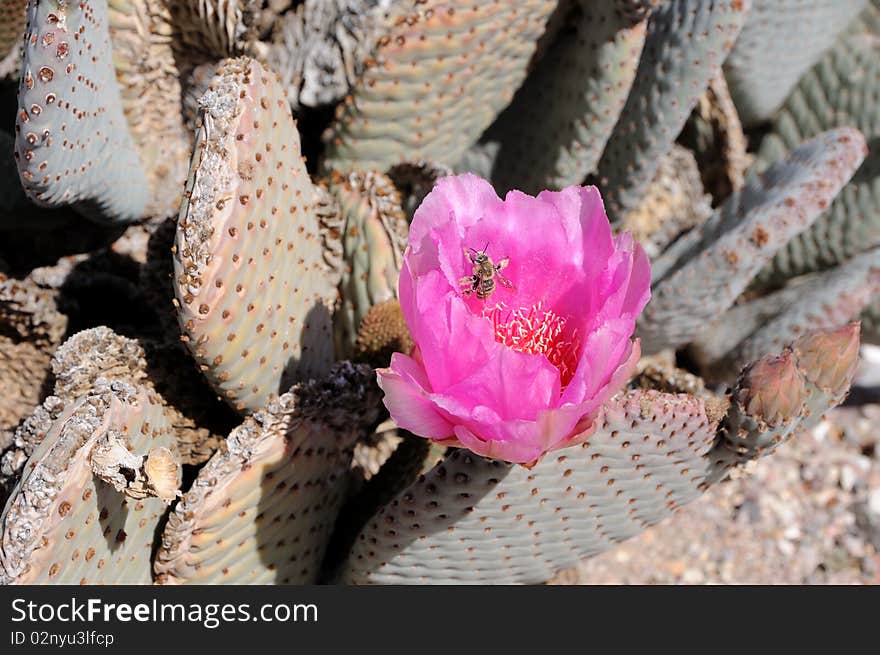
[485,274]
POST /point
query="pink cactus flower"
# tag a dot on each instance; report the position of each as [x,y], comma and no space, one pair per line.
[519,365]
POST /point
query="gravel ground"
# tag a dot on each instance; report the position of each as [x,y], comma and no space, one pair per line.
[809,514]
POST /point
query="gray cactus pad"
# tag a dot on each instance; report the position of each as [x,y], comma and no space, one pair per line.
[780,41]
[261,510]
[554,131]
[843,88]
[475,520]
[72,141]
[442,71]
[742,236]
[256,274]
[686,43]
[829,300]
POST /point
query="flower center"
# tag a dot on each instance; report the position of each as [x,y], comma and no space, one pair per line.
[537,331]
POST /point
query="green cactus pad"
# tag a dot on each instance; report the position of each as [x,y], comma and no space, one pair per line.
[255,279]
[61,524]
[744,234]
[262,510]
[374,238]
[554,131]
[781,40]
[476,520]
[686,43]
[150,90]
[73,145]
[441,74]
[842,89]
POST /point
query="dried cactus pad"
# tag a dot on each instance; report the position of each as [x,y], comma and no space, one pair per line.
[12,19]
[72,141]
[218,28]
[262,511]
[64,526]
[745,233]
[442,72]
[255,280]
[476,520]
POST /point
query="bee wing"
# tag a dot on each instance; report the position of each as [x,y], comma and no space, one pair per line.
[507,284]
[502,264]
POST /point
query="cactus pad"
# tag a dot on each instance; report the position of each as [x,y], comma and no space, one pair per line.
[472,519]
[62,525]
[554,131]
[686,43]
[262,510]
[441,74]
[842,89]
[73,145]
[374,238]
[744,234]
[255,282]
[780,41]
[830,300]
[151,94]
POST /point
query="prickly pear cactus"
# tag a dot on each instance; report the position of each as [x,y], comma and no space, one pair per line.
[246,256]
[743,234]
[255,281]
[64,526]
[779,43]
[686,43]
[73,145]
[441,72]
[841,89]
[261,511]
[374,237]
[477,520]
[596,56]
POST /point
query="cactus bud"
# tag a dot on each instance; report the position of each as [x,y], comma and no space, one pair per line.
[829,359]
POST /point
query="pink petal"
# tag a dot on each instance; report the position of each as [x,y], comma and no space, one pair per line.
[407,401]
